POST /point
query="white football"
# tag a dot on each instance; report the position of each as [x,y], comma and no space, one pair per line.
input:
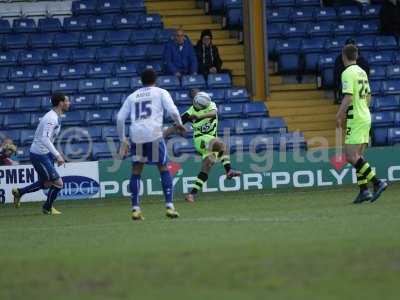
[201,100]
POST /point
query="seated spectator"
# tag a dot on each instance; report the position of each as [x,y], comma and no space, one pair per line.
[390,18]
[208,55]
[339,68]
[179,56]
[7,149]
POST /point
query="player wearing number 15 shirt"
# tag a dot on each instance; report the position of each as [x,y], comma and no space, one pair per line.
[355,109]
[145,108]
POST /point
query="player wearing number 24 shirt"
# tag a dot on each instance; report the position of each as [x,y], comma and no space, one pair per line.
[355,109]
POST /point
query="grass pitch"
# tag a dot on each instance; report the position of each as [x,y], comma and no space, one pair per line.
[310,244]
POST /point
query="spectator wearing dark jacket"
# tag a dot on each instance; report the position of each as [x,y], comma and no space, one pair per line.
[339,68]
[390,18]
[208,55]
[179,56]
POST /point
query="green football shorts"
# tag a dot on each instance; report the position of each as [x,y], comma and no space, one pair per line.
[357,134]
[202,145]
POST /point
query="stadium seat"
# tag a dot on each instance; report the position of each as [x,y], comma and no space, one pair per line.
[117,85]
[393,136]
[109,6]
[58,56]
[391,87]
[278,15]
[183,146]
[46,104]
[297,30]
[397,119]
[193,81]
[245,126]
[109,132]
[143,36]
[230,110]
[234,18]
[78,24]
[101,151]
[103,22]
[17,120]
[388,103]
[73,118]
[222,80]
[368,27]
[126,69]
[255,109]
[335,44]
[4,71]
[109,54]
[155,52]
[101,70]
[99,117]
[385,43]
[15,89]
[273,125]
[82,101]
[21,73]
[89,86]
[31,57]
[380,136]
[49,25]
[320,29]
[22,154]
[163,35]
[8,58]
[376,87]
[136,83]
[383,119]
[288,63]
[393,72]
[182,97]
[5,26]
[65,86]
[302,14]
[38,88]
[47,72]
[24,25]
[365,43]
[118,37]
[92,38]
[27,136]
[291,140]
[305,3]
[41,40]
[84,7]
[76,151]
[325,14]
[169,82]
[66,39]
[236,95]
[371,11]
[348,12]
[28,104]
[226,126]
[377,73]
[129,6]
[347,28]
[133,53]
[73,71]
[150,21]
[108,100]
[93,133]
[217,95]
[130,21]
[380,58]
[13,134]
[274,30]
[83,55]
[6,106]
[156,66]
[36,117]
[288,46]
[16,41]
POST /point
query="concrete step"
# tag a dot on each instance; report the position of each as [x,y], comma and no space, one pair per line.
[231,49]
[234,65]
[299,95]
[325,133]
[305,111]
[296,103]
[187,20]
[227,57]
[239,80]
[200,26]
[217,34]
[164,5]
[275,80]
[225,42]
[238,72]
[311,118]
[326,125]
[293,87]
[178,12]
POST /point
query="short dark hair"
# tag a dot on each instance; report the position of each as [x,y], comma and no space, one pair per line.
[350,52]
[148,77]
[56,98]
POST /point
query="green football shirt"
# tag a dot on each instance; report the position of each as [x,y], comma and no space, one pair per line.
[355,83]
[205,126]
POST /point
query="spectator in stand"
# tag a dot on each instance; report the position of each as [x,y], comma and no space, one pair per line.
[207,55]
[7,149]
[339,68]
[179,56]
[390,18]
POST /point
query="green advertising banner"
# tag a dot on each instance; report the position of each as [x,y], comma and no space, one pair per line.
[269,170]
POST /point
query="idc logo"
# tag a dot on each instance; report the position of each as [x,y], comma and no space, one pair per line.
[78,187]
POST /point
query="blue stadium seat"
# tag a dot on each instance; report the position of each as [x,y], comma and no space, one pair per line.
[36,117]
[31,57]
[371,11]
[49,25]
[222,80]
[82,101]
[325,14]
[397,119]
[8,58]
[182,97]
[297,30]
[155,52]
[78,24]
[217,95]
[305,3]
[380,58]
[109,132]
[320,29]
[274,30]
[255,109]
[385,43]
[388,103]
[169,82]
[288,63]
[16,41]
[376,87]
[24,25]
[66,39]
[73,118]
[82,55]
[99,117]
[368,27]
[13,134]
[380,136]
[236,95]
[101,70]
[233,4]
[58,56]
[109,6]
[287,46]
[377,73]
[311,48]
[118,37]
[6,106]
[129,6]
[76,151]
[183,146]
[90,86]
[273,125]
[193,81]
[396,57]
[38,88]
[73,71]
[311,62]
[365,43]
[393,136]
[21,73]
[303,14]
[109,100]
[393,72]
[391,87]
[163,35]
[42,40]
[234,18]
[109,54]
[284,3]
[335,44]
[143,36]
[27,136]
[28,104]
[46,103]
[65,86]
[136,83]
[150,21]
[382,119]
[93,133]
[101,151]
[348,12]
[156,66]
[4,71]
[104,22]
[14,89]
[347,28]
[22,154]
[92,38]
[291,140]
[117,85]
[130,21]
[17,120]
[226,126]
[245,126]
[126,69]
[230,110]
[5,26]
[84,7]
[132,53]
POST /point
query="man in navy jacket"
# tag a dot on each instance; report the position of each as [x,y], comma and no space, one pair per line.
[179,56]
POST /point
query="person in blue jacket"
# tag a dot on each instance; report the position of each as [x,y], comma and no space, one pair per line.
[179,56]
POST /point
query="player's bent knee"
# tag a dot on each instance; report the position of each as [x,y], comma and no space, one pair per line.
[58,183]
